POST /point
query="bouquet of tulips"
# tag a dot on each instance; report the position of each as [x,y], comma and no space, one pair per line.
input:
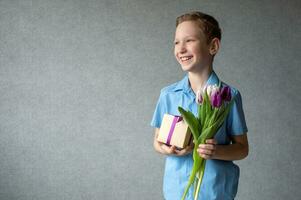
[214,104]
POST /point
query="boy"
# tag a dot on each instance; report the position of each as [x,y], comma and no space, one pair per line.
[197,41]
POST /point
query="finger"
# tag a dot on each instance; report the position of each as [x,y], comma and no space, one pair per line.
[210,146]
[164,148]
[205,156]
[208,141]
[211,141]
[172,149]
[183,151]
[179,152]
[167,149]
[206,151]
[207,146]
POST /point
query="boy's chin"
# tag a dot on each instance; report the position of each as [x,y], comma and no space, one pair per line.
[192,68]
[188,68]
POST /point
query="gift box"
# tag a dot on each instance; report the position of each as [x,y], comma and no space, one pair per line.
[174,131]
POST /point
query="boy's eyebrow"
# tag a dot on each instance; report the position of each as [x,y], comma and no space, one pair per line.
[190,36]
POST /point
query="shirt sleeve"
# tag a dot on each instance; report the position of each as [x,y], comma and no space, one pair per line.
[236,123]
[159,111]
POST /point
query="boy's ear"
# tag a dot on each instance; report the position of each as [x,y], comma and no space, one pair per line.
[214,46]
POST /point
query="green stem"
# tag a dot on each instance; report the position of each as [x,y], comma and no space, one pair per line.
[201,171]
[194,189]
[196,166]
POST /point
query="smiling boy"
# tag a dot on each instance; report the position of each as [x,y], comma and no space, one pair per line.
[196,42]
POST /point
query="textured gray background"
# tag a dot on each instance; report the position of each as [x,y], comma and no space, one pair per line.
[79,81]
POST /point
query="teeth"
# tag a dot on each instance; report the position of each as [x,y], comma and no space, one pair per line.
[185,58]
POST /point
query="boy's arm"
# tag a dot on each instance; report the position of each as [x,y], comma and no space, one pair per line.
[156,143]
[239,149]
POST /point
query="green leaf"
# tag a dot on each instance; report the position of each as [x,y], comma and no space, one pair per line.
[225,113]
[213,116]
[205,132]
[192,122]
[221,110]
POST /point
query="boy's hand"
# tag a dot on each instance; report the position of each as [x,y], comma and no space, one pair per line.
[172,150]
[208,150]
[185,151]
[167,150]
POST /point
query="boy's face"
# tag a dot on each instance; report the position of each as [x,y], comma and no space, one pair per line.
[190,48]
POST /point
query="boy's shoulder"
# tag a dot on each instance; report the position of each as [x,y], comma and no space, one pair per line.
[176,86]
[172,87]
[169,88]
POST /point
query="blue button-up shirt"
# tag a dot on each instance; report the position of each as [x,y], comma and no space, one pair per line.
[220,179]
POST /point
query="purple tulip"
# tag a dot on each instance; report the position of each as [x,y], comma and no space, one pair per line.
[226,93]
[199,97]
[216,99]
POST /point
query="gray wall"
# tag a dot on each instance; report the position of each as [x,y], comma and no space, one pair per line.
[79,81]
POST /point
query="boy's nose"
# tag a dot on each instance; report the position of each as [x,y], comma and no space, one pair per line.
[182,48]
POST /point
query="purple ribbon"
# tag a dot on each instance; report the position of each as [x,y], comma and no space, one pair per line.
[175,120]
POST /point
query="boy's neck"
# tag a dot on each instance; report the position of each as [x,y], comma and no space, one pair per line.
[198,79]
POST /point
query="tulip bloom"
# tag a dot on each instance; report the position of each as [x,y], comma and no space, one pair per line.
[226,93]
[216,99]
[199,96]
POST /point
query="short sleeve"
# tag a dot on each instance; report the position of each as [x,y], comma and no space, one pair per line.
[236,123]
[159,111]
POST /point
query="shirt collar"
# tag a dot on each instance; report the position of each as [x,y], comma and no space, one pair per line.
[184,83]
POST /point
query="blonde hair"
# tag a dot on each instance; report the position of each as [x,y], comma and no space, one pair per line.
[206,23]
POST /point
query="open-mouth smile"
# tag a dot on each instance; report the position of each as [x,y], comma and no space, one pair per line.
[185,58]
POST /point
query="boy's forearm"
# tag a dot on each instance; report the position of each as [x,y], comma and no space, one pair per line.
[234,151]
[157,148]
